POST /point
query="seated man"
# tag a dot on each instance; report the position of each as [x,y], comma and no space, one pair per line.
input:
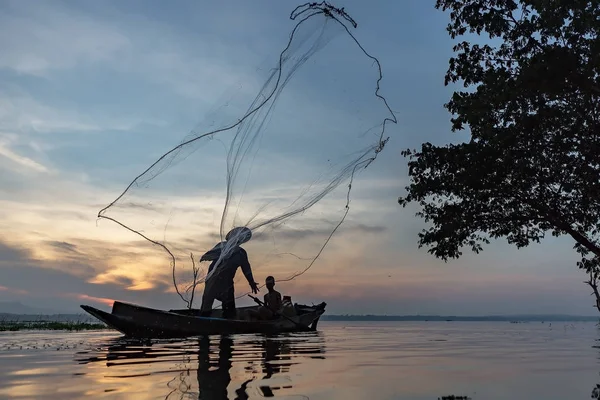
[272,300]
[272,297]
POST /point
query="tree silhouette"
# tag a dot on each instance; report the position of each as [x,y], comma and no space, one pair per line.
[532,164]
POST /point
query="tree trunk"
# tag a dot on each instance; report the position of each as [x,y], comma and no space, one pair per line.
[588,244]
[593,282]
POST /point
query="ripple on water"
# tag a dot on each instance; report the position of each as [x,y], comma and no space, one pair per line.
[343,361]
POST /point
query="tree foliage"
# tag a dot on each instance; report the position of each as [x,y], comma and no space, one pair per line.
[531,102]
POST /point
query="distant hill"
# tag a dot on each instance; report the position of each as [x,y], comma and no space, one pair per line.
[13,311]
[509,318]
[15,307]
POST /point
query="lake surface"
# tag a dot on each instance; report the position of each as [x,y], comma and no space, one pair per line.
[344,360]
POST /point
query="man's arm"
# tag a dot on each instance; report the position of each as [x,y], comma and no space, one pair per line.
[247,270]
[279,301]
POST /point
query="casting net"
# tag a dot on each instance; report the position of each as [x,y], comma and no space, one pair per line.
[277,157]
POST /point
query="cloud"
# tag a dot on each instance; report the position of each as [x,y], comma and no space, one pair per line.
[22,160]
[101,300]
[362,228]
[118,257]
[12,290]
[352,276]
[21,112]
[284,234]
[132,265]
[36,38]
[57,286]
[33,138]
[39,40]
[64,246]
[12,254]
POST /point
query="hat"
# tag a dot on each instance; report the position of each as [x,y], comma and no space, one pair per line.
[240,234]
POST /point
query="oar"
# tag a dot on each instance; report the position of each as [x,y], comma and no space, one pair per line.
[276,313]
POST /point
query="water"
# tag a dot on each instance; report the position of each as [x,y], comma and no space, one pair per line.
[345,360]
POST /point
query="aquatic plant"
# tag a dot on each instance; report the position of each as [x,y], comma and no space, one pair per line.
[49,325]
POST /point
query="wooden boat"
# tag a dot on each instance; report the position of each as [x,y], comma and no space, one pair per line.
[143,322]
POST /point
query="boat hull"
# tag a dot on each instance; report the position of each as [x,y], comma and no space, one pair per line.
[142,322]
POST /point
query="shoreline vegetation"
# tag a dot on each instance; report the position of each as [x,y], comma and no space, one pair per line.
[10,322]
[14,326]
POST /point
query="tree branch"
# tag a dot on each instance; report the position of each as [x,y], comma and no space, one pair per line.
[593,282]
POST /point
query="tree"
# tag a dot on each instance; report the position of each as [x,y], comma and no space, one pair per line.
[532,164]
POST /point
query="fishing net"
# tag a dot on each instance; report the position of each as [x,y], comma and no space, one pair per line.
[278,157]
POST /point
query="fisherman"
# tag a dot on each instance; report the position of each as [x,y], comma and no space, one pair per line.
[273,303]
[272,298]
[220,285]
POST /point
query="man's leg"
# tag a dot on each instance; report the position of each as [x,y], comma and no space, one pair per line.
[228,302]
[208,298]
[253,314]
[266,313]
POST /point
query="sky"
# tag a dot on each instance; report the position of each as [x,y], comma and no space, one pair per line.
[93,93]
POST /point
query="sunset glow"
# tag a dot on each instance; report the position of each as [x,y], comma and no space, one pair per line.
[91,96]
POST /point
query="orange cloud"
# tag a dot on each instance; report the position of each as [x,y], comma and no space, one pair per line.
[101,300]
[12,290]
[144,285]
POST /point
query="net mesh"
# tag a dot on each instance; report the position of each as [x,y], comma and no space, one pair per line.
[288,160]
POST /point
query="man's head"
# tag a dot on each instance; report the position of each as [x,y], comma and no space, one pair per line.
[240,235]
[270,282]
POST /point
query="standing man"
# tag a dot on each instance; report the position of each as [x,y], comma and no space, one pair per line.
[220,285]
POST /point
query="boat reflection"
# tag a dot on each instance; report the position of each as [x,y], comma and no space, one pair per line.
[224,367]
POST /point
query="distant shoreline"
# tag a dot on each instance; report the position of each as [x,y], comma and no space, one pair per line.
[449,318]
[84,318]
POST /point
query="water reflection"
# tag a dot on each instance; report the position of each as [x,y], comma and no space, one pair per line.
[491,361]
[596,390]
[216,367]
[213,383]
